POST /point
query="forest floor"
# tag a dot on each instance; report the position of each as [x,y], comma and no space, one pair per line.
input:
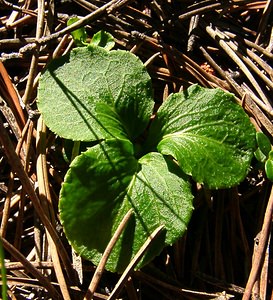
[226,252]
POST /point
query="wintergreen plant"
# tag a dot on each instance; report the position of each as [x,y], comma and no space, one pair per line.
[93,94]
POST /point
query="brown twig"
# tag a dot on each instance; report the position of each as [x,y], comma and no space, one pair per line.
[44,192]
[134,262]
[99,270]
[259,256]
[28,266]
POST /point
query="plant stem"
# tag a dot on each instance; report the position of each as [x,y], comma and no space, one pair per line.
[3,273]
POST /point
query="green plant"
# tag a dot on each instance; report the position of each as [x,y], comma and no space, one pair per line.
[3,272]
[264,154]
[106,97]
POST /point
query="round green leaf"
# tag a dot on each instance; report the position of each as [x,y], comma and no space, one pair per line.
[263,143]
[93,188]
[269,169]
[104,183]
[270,155]
[73,88]
[209,135]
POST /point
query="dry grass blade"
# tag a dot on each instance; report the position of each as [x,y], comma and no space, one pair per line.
[99,270]
[265,104]
[27,185]
[259,255]
[43,280]
[134,262]
[14,102]
[45,197]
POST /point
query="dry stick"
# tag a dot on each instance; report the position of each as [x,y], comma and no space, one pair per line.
[14,104]
[134,262]
[91,7]
[18,168]
[269,48]
[6,210]
[252,45]
[263,22]
[249,62]
[260,61]
[259,256]
[99,270]
[25,138]
[233,54]
[107,8]
[44,193]
[9,115]
[11,6]
[243,67]
[251,54]
[29,267]
[38,265]
[255,110]
[200,10]
[13,15]
[178,57]
[263,284]
[190,294]
[35,56]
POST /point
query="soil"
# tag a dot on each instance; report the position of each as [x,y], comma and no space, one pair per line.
[226,252]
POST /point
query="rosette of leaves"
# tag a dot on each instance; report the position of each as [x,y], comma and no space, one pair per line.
[92,94]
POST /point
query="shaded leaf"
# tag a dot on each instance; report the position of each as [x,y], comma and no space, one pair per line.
[74,86]
[94,200]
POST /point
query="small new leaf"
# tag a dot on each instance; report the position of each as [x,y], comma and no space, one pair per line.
[103,39]
[79,35]
[269,169]
[263,143]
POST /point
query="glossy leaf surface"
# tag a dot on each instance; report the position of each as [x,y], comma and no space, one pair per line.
[209,135]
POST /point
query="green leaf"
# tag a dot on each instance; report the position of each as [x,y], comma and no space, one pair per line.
[103,39]
[209,135]
[269,169]
[270,155]
[74,87]
[79,35]
[263,143]
[94,200]
[260,155]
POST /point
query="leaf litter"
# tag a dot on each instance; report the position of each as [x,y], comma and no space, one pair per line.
[227,246]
